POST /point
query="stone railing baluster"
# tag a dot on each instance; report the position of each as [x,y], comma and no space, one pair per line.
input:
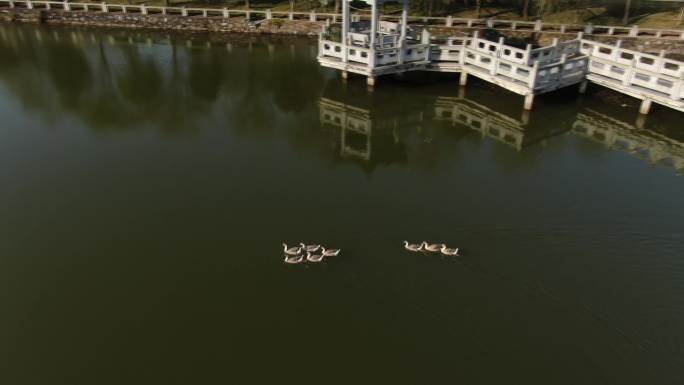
[538,26]
[634,31]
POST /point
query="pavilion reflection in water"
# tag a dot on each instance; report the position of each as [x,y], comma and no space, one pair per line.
[361,133]
[356,127]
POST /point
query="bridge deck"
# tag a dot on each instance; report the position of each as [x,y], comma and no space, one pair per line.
[527,72]
[638,92]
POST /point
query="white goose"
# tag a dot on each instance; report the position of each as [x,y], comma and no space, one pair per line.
[451,252]
[330,253]
[413,246]
[314,258]
[433,247]
[291,250]
[310,248]
[294,260]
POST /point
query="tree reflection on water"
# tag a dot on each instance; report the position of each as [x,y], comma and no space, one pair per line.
[116,81]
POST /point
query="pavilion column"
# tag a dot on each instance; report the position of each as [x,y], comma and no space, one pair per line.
[373,37]
[404,19]
[345,28]
[402,36]
[374,24]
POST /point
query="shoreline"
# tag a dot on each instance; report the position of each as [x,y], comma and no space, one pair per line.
[200,38]
[159,22]
[287,26]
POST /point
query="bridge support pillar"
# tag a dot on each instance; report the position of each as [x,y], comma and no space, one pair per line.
[583,86]
[463,79]
[345,75]
[645,106]
[529,99]
[370,80]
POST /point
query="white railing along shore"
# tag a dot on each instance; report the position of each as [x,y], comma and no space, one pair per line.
[448,21]
[637,70]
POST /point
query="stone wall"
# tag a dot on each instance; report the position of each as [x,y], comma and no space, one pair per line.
[20,15]
[163,22]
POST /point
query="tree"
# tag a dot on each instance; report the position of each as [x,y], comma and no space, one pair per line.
[625,18]
[526,9]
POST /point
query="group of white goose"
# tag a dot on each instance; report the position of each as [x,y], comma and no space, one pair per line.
[432,248]
[295,255]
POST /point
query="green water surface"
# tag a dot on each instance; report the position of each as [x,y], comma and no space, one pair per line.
[147,182]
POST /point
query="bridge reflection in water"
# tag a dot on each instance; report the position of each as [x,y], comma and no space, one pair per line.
[650,145]
[365,134]
[116,81]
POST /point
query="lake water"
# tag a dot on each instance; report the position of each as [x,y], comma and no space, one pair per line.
[148,181]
